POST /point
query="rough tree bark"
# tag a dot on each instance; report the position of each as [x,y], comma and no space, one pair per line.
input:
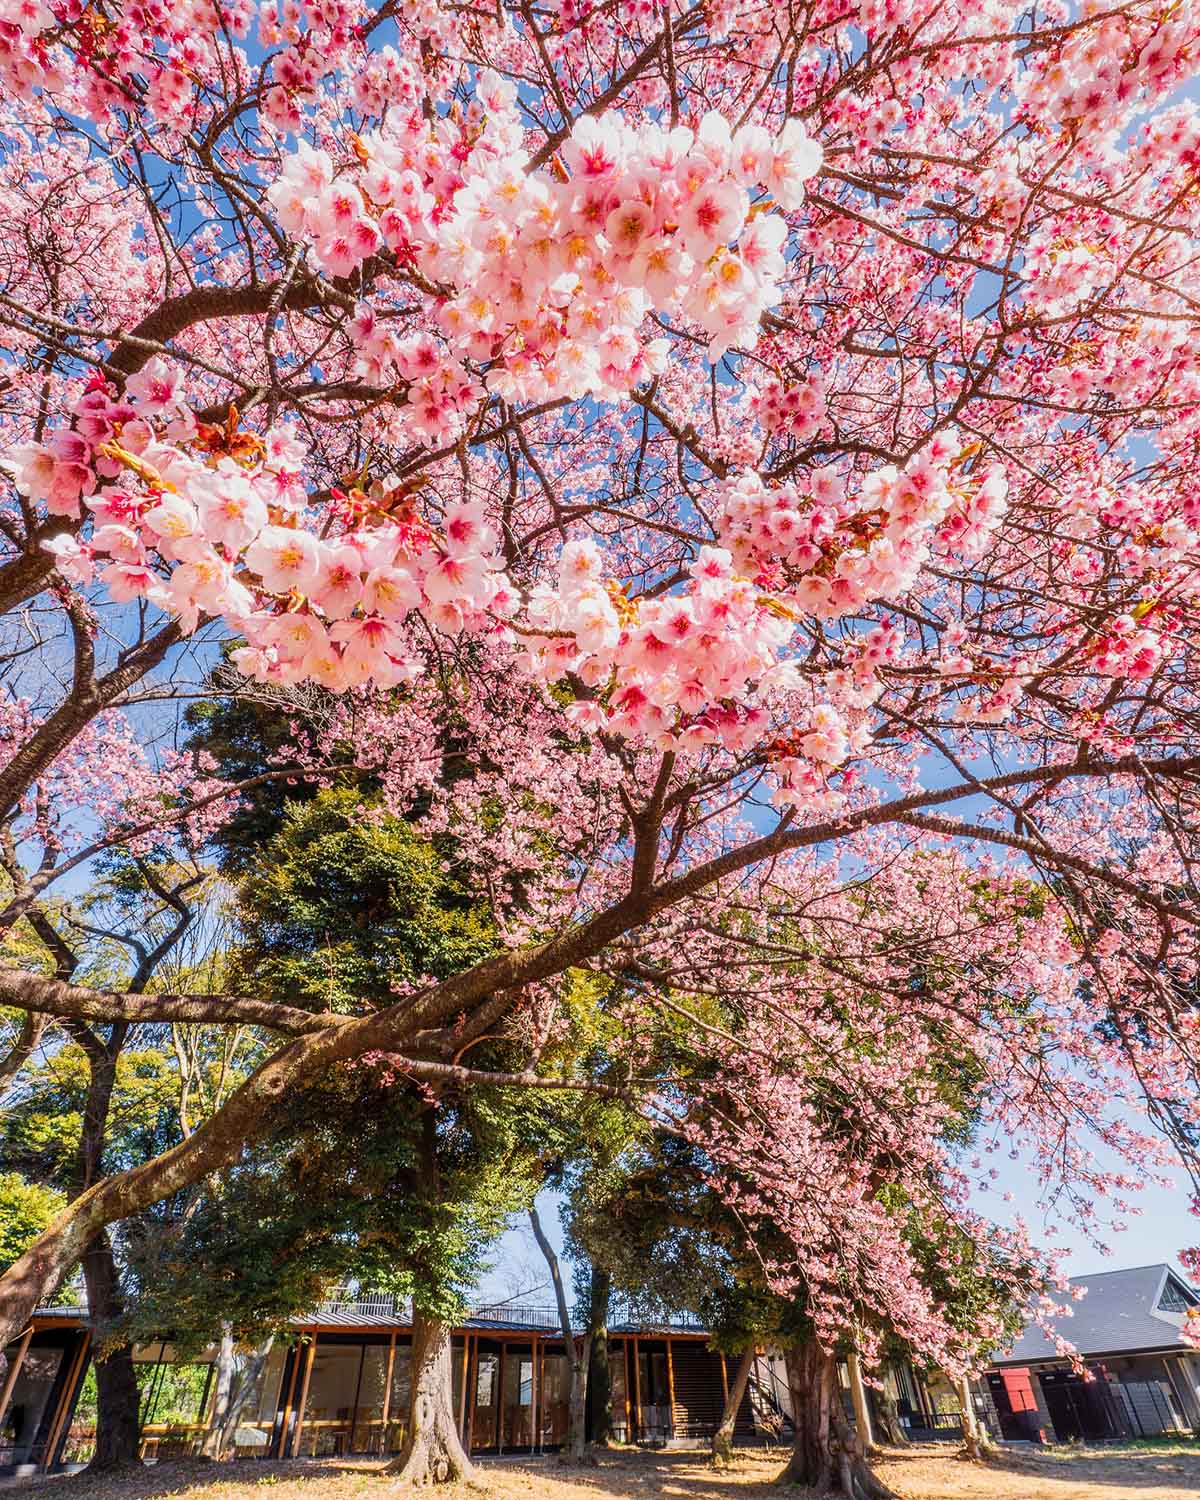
[433,1452]
[213,1444]
[33,1028]
[234,1388]
[976,1443]
[826,1455]
[890,1426]
[722,1438]
[574,1450]
[862,1406]
[599,1382]
[118,1401]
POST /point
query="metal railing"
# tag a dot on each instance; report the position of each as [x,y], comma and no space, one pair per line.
[365,1304]
[387,1305]
[519,1317]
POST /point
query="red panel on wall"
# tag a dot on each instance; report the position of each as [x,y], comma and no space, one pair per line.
[1019,1385]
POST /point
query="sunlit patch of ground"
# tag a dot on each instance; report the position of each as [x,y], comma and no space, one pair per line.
[1166,1472]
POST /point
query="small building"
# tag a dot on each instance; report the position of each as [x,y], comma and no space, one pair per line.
[42,1375]
[341,1386]
[1140,1378]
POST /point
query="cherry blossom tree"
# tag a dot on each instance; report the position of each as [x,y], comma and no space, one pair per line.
[755,446]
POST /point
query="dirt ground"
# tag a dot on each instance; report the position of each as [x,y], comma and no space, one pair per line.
[922,1473]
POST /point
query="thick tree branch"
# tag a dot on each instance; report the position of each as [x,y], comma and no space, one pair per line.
[54,997]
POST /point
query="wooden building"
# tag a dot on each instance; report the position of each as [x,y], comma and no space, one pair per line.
[40,1382]
[341,1386]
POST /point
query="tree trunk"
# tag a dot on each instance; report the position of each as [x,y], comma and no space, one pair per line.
[433,1452]
[33,1028]
[244,1387]
[599,1382]
[862,1408]
[722,1439]
[574,1450]
[890,1426]
[118,1400]
[214,1439]
[826,1455]
[976,1444]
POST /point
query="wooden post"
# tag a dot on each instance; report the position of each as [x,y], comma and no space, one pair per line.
[500,1400]
[303,1401]
[625,1359]
[362,1359]
[287,1404]
[540,1408]
[67,1399]
[472,1386]
[671,1384]
[724,1378]
[462,1399]
[387,1392]
[14,1369]
[533,1393]
[204,1416]
[637,1390]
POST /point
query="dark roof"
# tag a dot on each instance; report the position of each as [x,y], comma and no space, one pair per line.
[348,1317]
[661,1329]
[1118,1315]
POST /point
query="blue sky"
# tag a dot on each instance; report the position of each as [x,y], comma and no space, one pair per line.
[1162,1228]
[1158,1233]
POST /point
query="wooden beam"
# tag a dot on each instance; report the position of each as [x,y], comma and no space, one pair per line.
[14,1369]
[671,1385]
[625,1362]
[500,1400]
[533,1393]
[387,1391]
[303,1401]
[724,1378]
[637,1390]
[284,1436]
[66,1399]
[472,1388]
[540,1405]
[462,1400]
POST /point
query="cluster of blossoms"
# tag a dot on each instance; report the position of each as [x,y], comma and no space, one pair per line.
[105,782]
[1062,275]
[680,670]
[96,53]
[1092,77]
[831,552]
[898,1119]
[1129,649]
[544,276]
[207,522]
[795,411]
[229,511]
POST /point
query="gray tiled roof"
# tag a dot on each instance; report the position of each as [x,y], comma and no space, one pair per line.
[1119,1315]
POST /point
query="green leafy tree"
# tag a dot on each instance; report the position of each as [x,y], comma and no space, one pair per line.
[380,1173]
[25,1210]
